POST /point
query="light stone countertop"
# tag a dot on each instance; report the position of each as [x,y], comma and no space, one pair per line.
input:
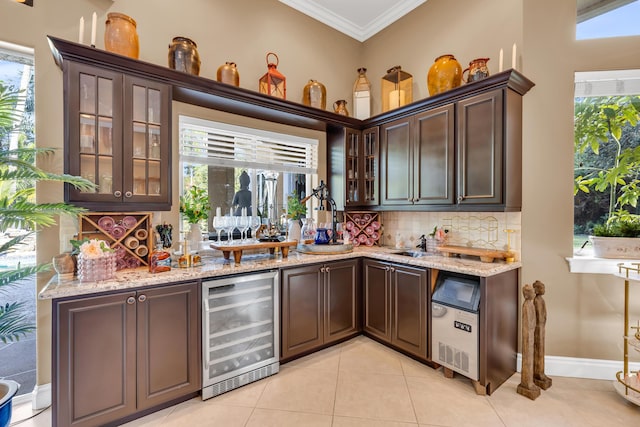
[217,266]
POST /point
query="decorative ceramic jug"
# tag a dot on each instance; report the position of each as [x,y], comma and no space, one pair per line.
[228,73]
[477,70]
[315,95]
[445,74]
[322,236]
[183,55]
[340,107]
[120,35]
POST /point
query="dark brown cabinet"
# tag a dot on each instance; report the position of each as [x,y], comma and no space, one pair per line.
[117,136]
[417,159]
[353,167]
[488,163]
[396,302]
[320,305]
[116,355]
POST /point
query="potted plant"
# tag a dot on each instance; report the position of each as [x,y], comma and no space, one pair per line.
[295,211]
[195,207]
[615,171]
[18,208]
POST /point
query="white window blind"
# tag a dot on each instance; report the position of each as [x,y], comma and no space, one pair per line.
[221,144]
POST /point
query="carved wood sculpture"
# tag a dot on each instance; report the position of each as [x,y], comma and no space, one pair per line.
[539,377]
[527,387]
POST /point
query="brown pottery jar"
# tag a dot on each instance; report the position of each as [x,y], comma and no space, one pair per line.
[445,74]
[228,73]
[477,70]
[120,35]
[315,95]
[340,107]
[183,55]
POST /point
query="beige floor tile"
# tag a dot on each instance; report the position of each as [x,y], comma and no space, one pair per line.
[367,422]
[376,396]
[300,389]
[413,368]
[24,412]
[276,418]
[564,406]
[450,402]
[247,395]
[206,413]
[370,357]
[325,360]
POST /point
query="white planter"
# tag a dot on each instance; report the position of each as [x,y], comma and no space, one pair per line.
[616,247]
[195,237]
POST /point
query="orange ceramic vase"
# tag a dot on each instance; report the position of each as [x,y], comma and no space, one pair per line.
[120,35]
[445,74]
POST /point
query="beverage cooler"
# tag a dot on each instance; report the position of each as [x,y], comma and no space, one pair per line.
[240,333]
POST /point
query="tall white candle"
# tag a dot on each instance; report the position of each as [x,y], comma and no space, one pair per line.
[94,25]
[218,211]
[230,211]
[81,31]
[513,57]
[500,60]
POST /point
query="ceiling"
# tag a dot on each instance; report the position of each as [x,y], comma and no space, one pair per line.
[359,19]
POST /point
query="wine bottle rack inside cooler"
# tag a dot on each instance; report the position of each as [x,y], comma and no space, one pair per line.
[241,331]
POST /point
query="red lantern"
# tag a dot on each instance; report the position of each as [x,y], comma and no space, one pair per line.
[273,83]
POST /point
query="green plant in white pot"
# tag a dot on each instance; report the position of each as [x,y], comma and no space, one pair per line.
[599,122]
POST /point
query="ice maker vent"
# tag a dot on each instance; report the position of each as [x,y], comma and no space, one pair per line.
[453,357]
[239,381]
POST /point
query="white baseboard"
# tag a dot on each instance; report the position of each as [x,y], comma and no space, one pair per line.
[596,369]
[41,396]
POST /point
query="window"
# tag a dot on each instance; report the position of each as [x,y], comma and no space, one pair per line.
[245,168]
[607,153]
[607,18]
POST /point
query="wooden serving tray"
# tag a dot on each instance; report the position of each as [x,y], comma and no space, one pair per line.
[486,255]
[238,248]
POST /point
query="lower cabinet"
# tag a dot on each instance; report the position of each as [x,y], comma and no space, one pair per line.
[396,306]
[116,355]
[320,305]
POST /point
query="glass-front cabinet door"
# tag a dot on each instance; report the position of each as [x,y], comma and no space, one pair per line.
[146,158]
[352,167]
[118,137]
[370,154]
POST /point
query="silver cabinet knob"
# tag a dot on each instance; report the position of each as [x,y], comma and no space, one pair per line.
[322,269]
[387,268]
[142,298]
[460,199]
[393,270]
[117,193]
[131,300]
[128,194]
[327,269]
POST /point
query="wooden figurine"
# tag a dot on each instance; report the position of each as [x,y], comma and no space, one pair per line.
[527,387]
[539,377]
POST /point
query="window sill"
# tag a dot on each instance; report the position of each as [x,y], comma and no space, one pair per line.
[583,261]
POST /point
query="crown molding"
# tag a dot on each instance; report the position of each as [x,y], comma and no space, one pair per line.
[347,26]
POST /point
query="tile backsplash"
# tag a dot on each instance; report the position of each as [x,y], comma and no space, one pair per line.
[476,229]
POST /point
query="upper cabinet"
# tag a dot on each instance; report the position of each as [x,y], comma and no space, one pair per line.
[118,136]
[418,159]
[353,167]
[459,149]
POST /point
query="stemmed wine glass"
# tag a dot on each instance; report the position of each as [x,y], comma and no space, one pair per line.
[230,226]
[218,223]
[242,223]
[255,224]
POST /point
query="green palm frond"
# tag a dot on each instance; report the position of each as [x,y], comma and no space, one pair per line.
[23,212]
[8,246]
[9,278]
[13,323]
